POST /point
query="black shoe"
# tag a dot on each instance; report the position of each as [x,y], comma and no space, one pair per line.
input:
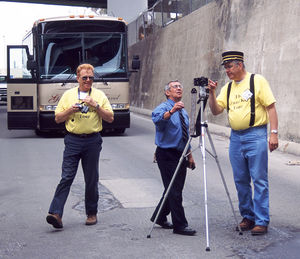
[184,231]
[166,224]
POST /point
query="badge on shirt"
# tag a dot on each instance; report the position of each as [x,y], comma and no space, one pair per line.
[247,95]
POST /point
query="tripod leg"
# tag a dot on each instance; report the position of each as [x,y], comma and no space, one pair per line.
[205,186]
[223,179]
[170,185]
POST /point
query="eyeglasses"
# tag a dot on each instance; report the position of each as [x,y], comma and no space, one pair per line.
[228,66]
[84,78]
[177,86]
[232,64]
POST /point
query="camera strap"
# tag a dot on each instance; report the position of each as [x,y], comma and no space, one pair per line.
[252,100]
[193,111]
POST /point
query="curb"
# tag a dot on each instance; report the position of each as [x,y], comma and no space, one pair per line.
[284,146]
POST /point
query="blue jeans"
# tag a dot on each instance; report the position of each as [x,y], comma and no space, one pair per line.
[88,150]
[248,152]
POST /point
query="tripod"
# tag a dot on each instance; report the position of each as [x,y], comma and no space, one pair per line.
[201,130]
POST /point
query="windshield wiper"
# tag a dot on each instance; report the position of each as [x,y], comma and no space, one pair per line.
[97,75]
[66,81]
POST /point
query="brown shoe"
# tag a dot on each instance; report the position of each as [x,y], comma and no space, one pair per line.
[54,220]
[91,220]
[259,230]
[246,224]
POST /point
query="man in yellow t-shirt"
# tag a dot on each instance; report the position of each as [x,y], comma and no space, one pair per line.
[82,109]
[248,150]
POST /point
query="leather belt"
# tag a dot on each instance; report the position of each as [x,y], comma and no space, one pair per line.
[83,135]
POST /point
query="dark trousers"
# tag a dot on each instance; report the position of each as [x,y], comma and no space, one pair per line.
[88,151]
[167,160]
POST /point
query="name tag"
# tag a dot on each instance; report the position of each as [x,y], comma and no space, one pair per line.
[247,95]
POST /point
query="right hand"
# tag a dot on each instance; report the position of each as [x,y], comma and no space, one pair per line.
[74,108]
[212,86]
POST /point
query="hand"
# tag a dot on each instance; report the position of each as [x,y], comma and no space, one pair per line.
[90,101]
[273,142]
[74,108]
[177,106]
[191,162]
[212,86]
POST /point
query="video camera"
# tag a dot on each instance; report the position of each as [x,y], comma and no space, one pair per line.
[82,107]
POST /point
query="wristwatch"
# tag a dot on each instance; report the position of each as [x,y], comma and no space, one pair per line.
[97,106]
[274,131]
[170,112]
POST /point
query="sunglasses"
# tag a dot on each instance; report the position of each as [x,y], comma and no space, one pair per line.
[84,78]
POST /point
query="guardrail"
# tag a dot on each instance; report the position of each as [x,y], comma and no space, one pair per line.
[163,13]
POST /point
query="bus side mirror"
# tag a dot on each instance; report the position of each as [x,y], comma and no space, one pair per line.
[135,65]
[31,64]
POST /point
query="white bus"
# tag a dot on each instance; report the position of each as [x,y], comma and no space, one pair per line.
[44,67]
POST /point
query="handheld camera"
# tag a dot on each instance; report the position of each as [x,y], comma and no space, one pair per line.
[82,107]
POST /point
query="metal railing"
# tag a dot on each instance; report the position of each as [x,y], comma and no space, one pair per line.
[163,13]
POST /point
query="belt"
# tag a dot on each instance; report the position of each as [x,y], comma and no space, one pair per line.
[83,135]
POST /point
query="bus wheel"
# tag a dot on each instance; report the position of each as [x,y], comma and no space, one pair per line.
[38,133]
[121,131]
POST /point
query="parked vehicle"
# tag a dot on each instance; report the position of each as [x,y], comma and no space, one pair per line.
[3,90]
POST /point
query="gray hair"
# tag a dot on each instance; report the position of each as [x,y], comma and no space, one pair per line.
[238,61]
[167,86]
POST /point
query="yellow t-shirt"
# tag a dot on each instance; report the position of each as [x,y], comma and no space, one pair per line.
[83,123]
[239,102]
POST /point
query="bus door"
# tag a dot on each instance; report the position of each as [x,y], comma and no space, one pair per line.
[22,112]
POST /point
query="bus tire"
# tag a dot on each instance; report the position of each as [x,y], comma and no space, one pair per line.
[120,131]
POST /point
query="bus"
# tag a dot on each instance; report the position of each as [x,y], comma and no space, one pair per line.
[41,69]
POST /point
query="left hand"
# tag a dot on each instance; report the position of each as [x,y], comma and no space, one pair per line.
[191,162]
[273,142]
[90,101]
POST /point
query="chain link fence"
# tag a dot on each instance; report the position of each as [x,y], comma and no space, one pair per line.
[163,13]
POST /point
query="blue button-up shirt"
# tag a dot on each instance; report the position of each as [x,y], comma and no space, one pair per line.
[168,132]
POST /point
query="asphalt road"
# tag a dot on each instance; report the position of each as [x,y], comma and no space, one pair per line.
[130,187]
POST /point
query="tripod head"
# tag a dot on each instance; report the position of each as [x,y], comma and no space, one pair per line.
[202,82]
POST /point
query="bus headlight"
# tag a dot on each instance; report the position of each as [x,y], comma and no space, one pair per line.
[48,107]
[120,106]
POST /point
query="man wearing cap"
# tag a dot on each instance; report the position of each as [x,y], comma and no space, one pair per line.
[250,106]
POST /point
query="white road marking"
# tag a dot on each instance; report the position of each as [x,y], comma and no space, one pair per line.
[137,192]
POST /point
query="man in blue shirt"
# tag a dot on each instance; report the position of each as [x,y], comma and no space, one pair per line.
[171,123]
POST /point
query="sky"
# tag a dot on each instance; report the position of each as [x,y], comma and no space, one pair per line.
[17,18]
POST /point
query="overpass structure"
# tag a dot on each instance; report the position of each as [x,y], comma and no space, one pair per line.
[85,3]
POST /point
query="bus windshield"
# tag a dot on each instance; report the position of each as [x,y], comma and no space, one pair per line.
[61,53]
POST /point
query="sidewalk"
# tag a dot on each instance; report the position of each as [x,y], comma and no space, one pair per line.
[284,146]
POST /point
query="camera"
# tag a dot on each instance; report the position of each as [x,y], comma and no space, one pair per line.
[83,108]
[201,81]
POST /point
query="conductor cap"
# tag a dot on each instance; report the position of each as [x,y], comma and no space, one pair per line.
[229,56]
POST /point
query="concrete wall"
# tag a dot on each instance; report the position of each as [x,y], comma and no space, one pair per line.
[267,31]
